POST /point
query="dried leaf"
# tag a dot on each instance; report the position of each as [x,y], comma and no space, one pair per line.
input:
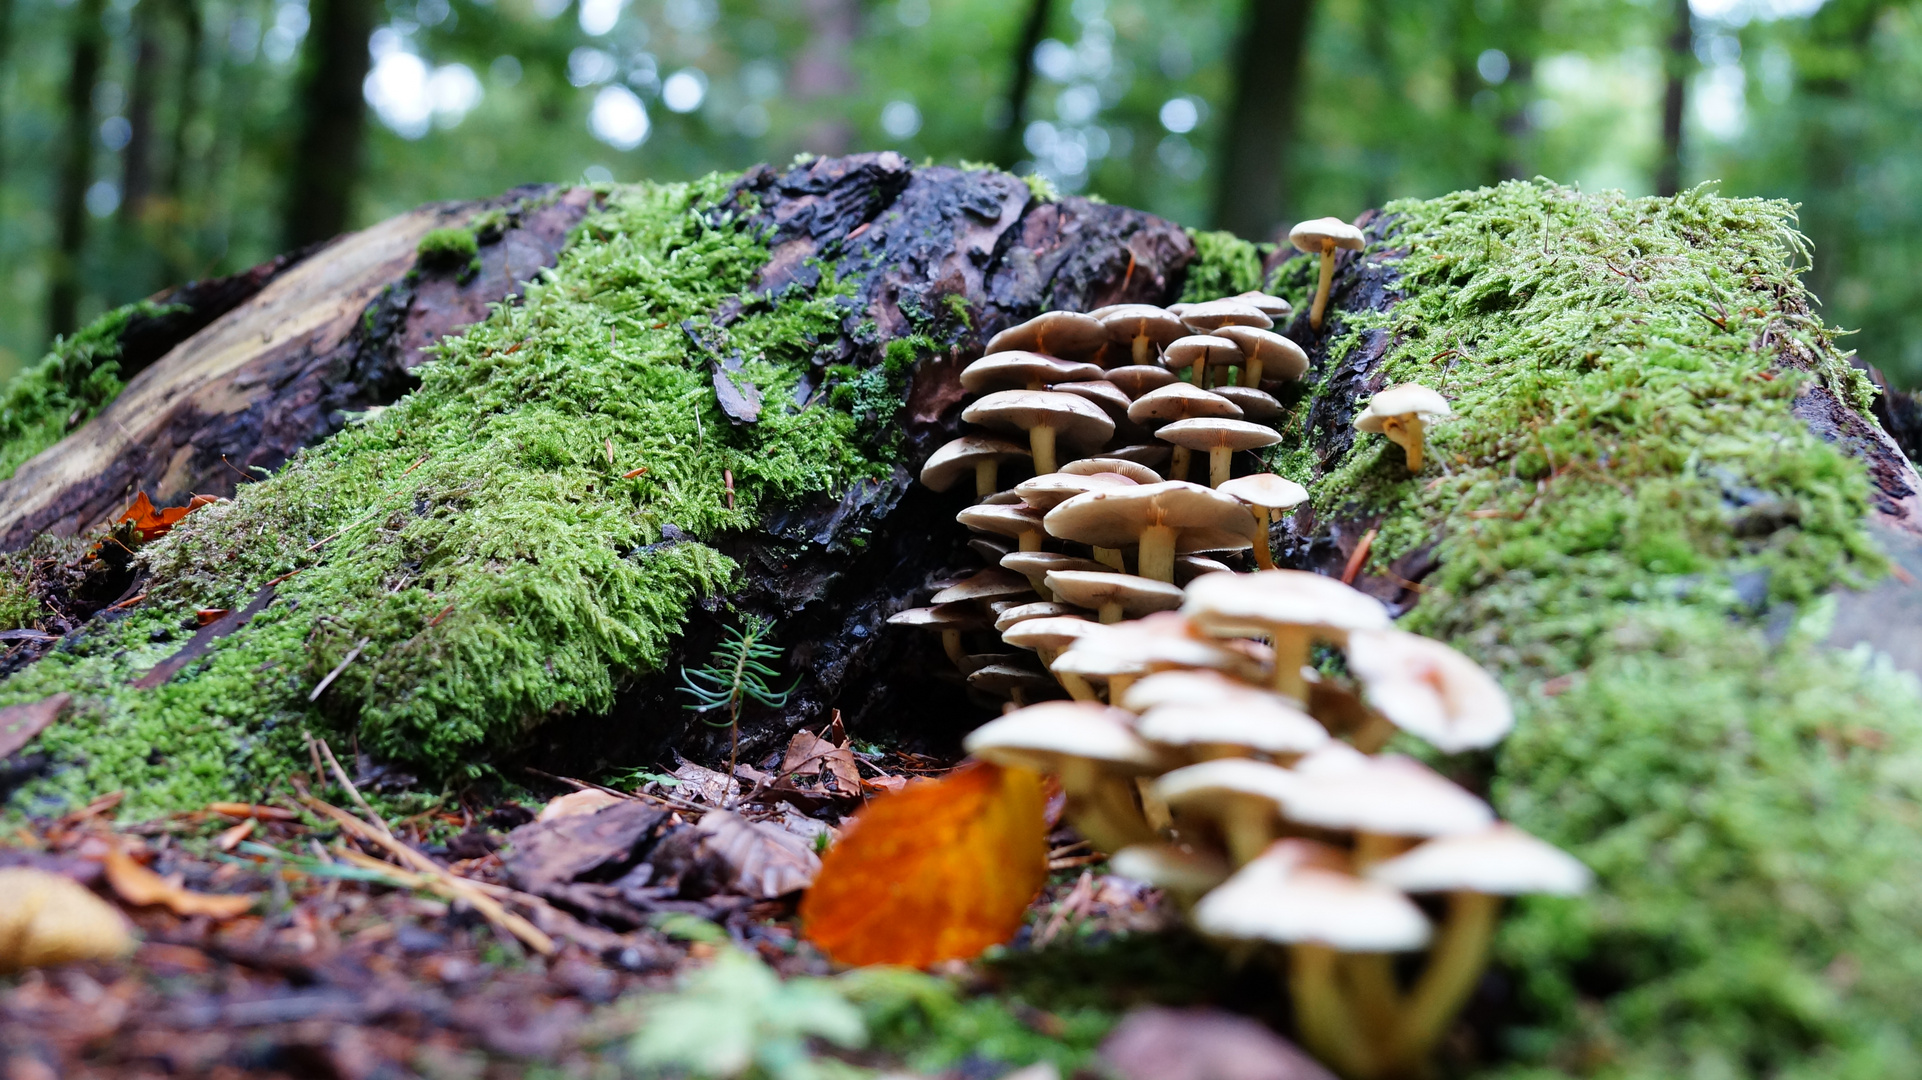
[939,871]
[20,723]
[153,524]
[140,886]
[809,754]
[584,801]
[766,860]
[47,919]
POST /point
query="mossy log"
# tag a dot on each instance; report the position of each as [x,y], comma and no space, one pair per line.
[1665,516]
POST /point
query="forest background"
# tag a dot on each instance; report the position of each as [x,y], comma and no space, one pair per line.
[146,142]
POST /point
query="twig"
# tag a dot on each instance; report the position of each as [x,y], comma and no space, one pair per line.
[1357,558]
[444,612]
[632,473]
[352,791]
[1071,904]
[416,465]
[338,668]
[129,601]
[585,785]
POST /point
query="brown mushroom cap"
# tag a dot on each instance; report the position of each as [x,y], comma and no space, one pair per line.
[1278,355]
[1272,306]
[1001,520]
[1283,898]
[1075,420]
[1017,370]
[1154,642]
[1257,405]
[1044,493]
[1209,688]
[1136,596]
[1190,567]
[1310,236]
[1206,519]
[954,616]
[1126,322]
[1135,380]
[1038,609]
[1102,393]
[956,459]
[1140,474]
[993,583]
[1225,312]
[1180,401]
[1266,490]
[1499,861]
[1067,334]
[1152,455]
[1217,433]
[1005,679]
[1034,564]
[991,549]
[1428,689]
[1041,737]
[1200,349]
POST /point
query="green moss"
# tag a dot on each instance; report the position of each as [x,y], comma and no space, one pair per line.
[475,535]
[1224,265]
[450,249]
[1042,188]
[75,380]
[1630,518]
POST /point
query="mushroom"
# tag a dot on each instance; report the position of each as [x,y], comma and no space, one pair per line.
[991,549]
[1191,688]
[1035,565]
[1428,689]
[1019,613]
[1257,405]
[1124,651]
[1242,797]
[1229,311]
[1140,474]
[1113,596]
[1136,379]
[1049,637]
[1153,455]
[1221,438]
[1162,518]
[1182,872]
[1020,521]
[1293,608]
[1384,800]
[1198,351]
[1067,334]
[1046,492]
[950,620]
[1190,567]
[1267,495]
[1476,870]
[1019,370]
[1104,394]
[980,454]
[1272,306]
[1266,725]
[1042,414]
[1015,682]
[1175,402]
[1399,412]
[1094,752]
[1321,237]
[1144,328]
[993,583]
[1265,351]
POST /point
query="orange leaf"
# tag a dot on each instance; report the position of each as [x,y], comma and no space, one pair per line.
[152,524]
[937,871]
[140,886]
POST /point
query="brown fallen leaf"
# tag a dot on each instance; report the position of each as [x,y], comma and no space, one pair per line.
[47,919]
[140,886]
[251,810]
[20,723]
[767,860]
[808,755]
[153,524]
[231,838]
[584,801]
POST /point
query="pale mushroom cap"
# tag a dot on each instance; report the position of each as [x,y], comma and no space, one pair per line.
[1180,401]
[1252,605]
[1020,613]
[1408,399]
[1040,736]
[990,584]
[1016,369]
[1137,379]
[1272,306]
[1093,664]
[1046,492]
[1257,405]
[940,617]
[1000,520]
[1074,419]
[1092,589]
[1166,866]
[1055,632]
[1190,567]
[1190,687]
[1428,689]
[1150,643]
[1153,455]
[1266,490]
[1212,784]
[1105,394]
[1500,861]
[1005,678]
[957,458]
[1270,727]
[1225,312]
[1278,355]
[1139,473]
[1389,794]
[1116,517]
[1218,433]
[1310,235]
[1198,349]
[1030,563]
[1279,899]
[1126,322]
[1066,334]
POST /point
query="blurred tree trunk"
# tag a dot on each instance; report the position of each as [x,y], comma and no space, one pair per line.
[333,122]
[1512,162]
[1251,198]
[1680,60]
[7,105]
[824,71]
[136,184]
[176,252]
[75,169]
[1015,114]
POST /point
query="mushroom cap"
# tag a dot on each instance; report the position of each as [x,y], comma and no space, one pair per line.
[1276,353]
[990,549]
[1180,401]
[1205,519]
[1389,794]
[1168,866]
[1153,455]
[1074,419]
[1269,726]
[1016,369]
[961,616]
[1225,312]
[1067,334]
[993,583]
[1272,306]
[1001,520]
[958,457]
[1140,474]
[1211,785]
[1027,563]
[1199,349]
[1309,236]
[1041,737]
[1253,605]
[1217,433]
[1091,589]
[1007,678]
[1256,405]
[1016,614]
[1190,567]
[1282,896]
[1265,490]
[1191,688]
[1428,689]
[1046,492]
[1102,393]
[1499,861]
[1152,643]
[1137,379]
[1055,632]
[1404,400]
[1126,322]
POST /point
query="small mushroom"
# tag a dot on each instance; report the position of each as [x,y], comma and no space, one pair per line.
[1044,493]
[1066,334]
[1162,518]
[1036,565]
[1140,474]
[1428,689]
[950,620]
[1385,800]
[1176,402]
[1269,725]
[1401,413]
[993,583]
[1125,651]
[1322,237]
[1042,414]
[1272,306]
[1259,406]
[1292,608]
[981,455]
[1135,380]
[1049,637]
[1103,393]
[1242,797]
[1265,352]
[992,549]
[1221,438]
[1191,688]
[1143,328]
[1094,752]
[1113,596]
[1024,523]
[1190,567]
[1267,495]
[1019,613]
[1197,352]
[1182,872]
[1153,455]
[1019,370]
[1015,682]
[1228,311]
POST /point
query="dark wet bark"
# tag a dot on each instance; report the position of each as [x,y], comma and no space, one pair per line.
[76,169]
[1679,61]
[137,160]
[1251,198]
[333,125]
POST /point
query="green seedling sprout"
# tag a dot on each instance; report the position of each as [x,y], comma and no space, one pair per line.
[737,673]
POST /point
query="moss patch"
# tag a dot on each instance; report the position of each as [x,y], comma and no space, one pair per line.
[1635,533]
[1224,265]
[75,380]
[449,249]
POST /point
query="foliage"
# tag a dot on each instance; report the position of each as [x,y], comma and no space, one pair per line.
[78,377]
[736,675]
[450,248]
[736,1017]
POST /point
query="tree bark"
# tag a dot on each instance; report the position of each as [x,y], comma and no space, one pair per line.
[137,160]
[333,125]
[1678,62]
[1252,195]
[76,169]
[1021,82]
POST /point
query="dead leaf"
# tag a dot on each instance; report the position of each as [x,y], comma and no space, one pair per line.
[584,801]
[808,755]
[140,886]
[153,524]
[939,871]
[740,401]
[49,919]
[231,838]
[20,723]
[544,856]
[702,784]
[766,860]
[251,810]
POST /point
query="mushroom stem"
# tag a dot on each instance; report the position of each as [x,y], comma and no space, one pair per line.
[1454,966]
[1142,345]
[1154,808]
[1246,826]
[1031,541]
[1041,441]
[951,643]
[1406,432]
[1264,556]
[1102,807]
[1292,645]
[1327,1024]
[1157,558]
[1195,372]
[1373,733]
[1076,686]
[1372,848]
[1110,557]
[987,478]
[1039,584]
[1117,686]
[1110,613]
[1251,372]
[1220,465]
[1321,290]
[1371,979]
[1178,464]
